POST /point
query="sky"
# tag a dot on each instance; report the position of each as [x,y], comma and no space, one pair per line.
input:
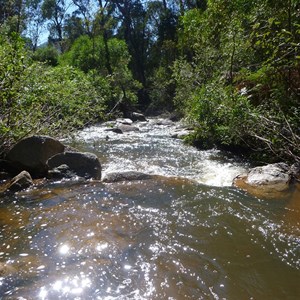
[44,34]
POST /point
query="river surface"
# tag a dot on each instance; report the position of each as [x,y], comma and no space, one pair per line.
[184,234]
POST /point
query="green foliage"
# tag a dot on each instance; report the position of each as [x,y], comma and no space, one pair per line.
[161,91]
[90,56]
[231,67]
[48,55]
[35,98]
[238,81]
[221,116]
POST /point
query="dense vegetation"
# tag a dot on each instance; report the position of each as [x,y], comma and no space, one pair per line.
[230,67]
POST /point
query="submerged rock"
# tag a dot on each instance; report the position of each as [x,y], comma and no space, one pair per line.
[115,130]
[165,122]
[125,176]
[32,153]
[127,128]
[7,270]
[121,128]
[85,164]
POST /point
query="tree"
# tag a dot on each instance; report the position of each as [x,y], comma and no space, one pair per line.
[55,11]
[86,9]
[102,25]
[34,21]
[39,99]
[238,80]
[74,28]
[162,52]
[88,54]
[133,29]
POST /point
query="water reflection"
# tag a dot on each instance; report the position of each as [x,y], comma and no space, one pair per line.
[66,287]
[164,238]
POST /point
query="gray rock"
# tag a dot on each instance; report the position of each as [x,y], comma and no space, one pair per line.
[20,182]
[85,164]
[4,175]
[116,130]
[62,171]
[125,176]
[125,121]
[175,116]
[180,134]
[295,171]
[8,167]
[165,122]
[266,181]
[275,175]
[138,117]
[32,153]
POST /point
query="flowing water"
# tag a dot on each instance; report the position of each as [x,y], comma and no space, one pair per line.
[184,234]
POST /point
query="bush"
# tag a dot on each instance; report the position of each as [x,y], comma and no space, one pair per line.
[35,98]
[48,55]
[90,56]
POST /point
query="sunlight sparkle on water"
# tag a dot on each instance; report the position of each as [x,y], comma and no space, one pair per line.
[101,246]
[67,285]
[43,293]
[64,249]
[127,267]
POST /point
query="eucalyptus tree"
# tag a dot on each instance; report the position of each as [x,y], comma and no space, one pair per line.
[86,9]
[103,24]
[132,18]
[55,11]
[34,21]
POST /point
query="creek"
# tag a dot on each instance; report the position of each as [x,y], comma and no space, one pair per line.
[184,234]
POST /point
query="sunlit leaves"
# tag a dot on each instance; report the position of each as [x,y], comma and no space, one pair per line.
[35,98]
[241,71]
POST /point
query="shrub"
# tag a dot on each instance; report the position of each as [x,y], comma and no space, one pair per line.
[48,55]
[35,98]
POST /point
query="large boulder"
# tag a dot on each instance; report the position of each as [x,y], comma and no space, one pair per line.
[60,172]
[274,175]
[85,164]
[32,153]
[7,166]
[268,181]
